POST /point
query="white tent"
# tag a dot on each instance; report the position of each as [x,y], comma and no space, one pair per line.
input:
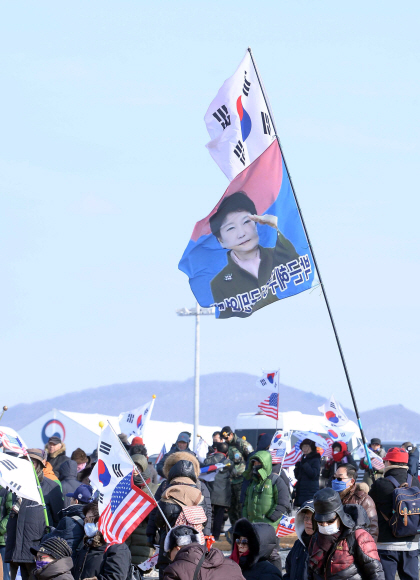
[82,430]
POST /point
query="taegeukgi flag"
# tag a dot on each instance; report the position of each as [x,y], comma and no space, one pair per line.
[333,413]
[133,423]
[251,249]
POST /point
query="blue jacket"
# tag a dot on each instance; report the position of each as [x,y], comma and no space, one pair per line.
[71,526]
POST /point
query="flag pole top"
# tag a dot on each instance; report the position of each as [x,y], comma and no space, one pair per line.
[101,424]
[154,397]
[5,408]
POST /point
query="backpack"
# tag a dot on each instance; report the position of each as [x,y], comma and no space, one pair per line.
[405,517]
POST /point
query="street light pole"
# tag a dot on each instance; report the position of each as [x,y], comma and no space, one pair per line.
[197,312]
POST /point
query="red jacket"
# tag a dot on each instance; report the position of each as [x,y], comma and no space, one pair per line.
[215,565]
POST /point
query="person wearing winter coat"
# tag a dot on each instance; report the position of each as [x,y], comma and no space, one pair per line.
[26,525]
[6,503]
[351,493]
[188,556]
[137,541]
[413,459]
[182,444]
[94,558]
[307,472]
[170,462]
[72,518]
[68,478]
[219,488]
[340,454]
[82,460]
[53,560]
[48,472]
[182,491]
[296,564]
[137,447]
[56,453]
[267,497]
[254,548]
[341,548]
[397,554]
[376,446]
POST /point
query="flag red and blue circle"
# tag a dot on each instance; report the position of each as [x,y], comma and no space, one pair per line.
[103,473]
[332,417]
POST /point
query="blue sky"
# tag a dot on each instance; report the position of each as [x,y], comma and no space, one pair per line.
[104,172]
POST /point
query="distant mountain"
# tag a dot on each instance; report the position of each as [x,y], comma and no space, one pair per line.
[222,397]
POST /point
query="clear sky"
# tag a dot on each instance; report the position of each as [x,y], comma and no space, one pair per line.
[104,172]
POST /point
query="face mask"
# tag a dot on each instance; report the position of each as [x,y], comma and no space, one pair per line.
[329,530]
[90,530]
[41,563]
[338,485]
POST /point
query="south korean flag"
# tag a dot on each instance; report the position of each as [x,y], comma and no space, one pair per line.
[238,121]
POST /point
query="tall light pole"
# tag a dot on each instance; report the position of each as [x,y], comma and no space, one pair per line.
[197,312]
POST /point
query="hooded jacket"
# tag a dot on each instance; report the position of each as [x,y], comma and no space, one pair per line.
[6,503]
[68,478]
[70,526]
[349,554]
[106,562]
[59,569]
[262,445]
[173,449]
[219,488]
[214,567]
[354,495]
[26,528]
[344,456]
[57,458]
[307,472]
[262,561]
[267,497]
[297,559]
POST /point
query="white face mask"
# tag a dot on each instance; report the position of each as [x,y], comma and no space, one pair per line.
[329,530]
[90,529]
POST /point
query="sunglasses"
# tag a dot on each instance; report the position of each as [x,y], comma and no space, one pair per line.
[243,542]
[342,478]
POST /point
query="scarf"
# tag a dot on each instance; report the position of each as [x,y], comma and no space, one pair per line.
[235,555]
[395,467]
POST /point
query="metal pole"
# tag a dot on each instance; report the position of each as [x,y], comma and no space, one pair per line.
[197,372]
[316,266]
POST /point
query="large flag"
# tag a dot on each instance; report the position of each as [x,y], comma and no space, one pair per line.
[270,406]
[122,505]
[11,441]
[209,473]
[133,423]
[324,446]
[251,249]
[333,413]
[269,381]
[18,475]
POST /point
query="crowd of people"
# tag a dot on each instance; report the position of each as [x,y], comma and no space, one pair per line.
[343,526]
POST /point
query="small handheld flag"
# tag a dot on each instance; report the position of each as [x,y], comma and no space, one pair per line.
[161,454]
[270,406]
[294,456]
[333,413]
[11,441]
[286,527]
[376,461]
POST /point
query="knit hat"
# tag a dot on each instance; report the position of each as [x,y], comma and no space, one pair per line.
[38,454]
[55,547]
[54,440]
[137,441]
[79,456]
[124,439]
[181,536]
[397,455]
[375,441]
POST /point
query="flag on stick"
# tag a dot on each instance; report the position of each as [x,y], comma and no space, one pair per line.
[133,423]
[286,526]
[333,413]
[18,475]
[11,441]
[161,454]
[376,461]
[294,456]
[278,446]
[270,406]
[269,381]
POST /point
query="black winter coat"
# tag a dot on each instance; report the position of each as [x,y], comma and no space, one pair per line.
[68,479]
[413,463]
[26,528]
[307,472]
[106,562]
[263,561]
[297,562]
[70,527]
[57,459]
[381,492]
[59,570]
[173,449]
[220,489]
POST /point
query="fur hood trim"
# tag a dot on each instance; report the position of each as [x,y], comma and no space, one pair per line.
[175,457]
[56,453]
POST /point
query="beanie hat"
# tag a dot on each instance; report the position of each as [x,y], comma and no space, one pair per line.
[397,455]
[375,441]
[38,454]
[140,460]
[123,437]
[137,441]
[79,456]
[55,547]
[54,440]
[181,536]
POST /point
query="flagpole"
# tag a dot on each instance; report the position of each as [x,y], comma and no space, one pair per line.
[135,467]
[278,397]
[315,262]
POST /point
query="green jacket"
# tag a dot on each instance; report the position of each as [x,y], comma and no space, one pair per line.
[262,495]
[6,503]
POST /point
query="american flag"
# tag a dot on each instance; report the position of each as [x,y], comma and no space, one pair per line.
[286,527]
[128,507]
[270,406]
[294,456]
[375,460]
[277,455]
[12,443]
[161,454]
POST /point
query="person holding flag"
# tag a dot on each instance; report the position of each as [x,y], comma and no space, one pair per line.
[375,445]
[340,454]
[307,472]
